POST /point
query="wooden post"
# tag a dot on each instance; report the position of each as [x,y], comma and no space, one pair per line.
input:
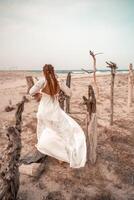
[113,68]
[130,86]
[9,172]
[94,71]
[68,83]
[30,82]
[61,99]
[91,125]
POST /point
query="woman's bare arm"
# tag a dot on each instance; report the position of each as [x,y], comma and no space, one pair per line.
[36,88]
[65,88]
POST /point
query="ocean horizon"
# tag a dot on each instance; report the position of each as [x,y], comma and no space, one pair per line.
[64,71]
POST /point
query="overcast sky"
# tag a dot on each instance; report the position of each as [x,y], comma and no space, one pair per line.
[61,32]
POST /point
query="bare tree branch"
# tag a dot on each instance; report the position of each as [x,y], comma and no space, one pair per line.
[89,72]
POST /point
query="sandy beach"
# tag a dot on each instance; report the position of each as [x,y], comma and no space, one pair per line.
[113,173]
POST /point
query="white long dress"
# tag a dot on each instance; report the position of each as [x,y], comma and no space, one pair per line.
[58,134]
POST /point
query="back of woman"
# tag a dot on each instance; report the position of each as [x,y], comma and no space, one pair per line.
[51,86]
[58,134]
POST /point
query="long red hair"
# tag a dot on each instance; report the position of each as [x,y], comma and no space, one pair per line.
[52,86]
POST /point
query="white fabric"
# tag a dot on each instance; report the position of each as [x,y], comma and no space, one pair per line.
[58,134]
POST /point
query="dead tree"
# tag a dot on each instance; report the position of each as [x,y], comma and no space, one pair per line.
[113,68]
[30,82]
[94,70]
[9,172]
[130,86]
[68,83]
[91,125]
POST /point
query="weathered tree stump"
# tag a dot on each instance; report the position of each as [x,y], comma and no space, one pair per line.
[130,86]
[113,68]
[91,125]
[30,82]
[68,83]
[9,172]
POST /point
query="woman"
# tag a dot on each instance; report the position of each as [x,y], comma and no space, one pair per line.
[58,134]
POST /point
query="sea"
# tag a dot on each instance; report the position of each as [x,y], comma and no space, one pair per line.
[65,71]
[84,71]
[90,71]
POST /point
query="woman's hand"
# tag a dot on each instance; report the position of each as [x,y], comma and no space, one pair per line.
[37,96]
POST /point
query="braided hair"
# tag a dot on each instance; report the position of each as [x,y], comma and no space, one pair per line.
[52,86]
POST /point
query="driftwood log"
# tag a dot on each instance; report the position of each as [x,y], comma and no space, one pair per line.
[113,68]
[68,83]
[30,82]
[130,86]
[91,125]
[9,172]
